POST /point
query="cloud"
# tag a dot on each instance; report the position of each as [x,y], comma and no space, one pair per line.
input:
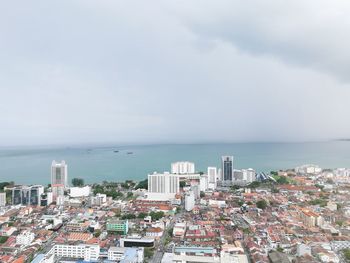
[97,71]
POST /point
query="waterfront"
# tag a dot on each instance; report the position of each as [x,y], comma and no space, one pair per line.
[96,164]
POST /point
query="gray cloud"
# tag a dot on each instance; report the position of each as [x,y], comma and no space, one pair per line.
[173,71]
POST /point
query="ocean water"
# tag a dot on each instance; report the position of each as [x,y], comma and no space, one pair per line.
[96,164]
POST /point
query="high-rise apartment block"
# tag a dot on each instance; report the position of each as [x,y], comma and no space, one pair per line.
[59,179]
[163,186]
[182,168]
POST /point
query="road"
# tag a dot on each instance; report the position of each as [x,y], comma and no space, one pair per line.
[160,248]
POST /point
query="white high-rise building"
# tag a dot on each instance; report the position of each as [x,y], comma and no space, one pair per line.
[249,175]
[189,201]
[212,177]
[203,183]
[219,177]
[182,168]
[59,179]
[163,186]
[2,199]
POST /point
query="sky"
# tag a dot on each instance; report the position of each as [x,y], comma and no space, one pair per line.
[81,71]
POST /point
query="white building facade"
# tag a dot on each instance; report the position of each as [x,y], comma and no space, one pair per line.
[212,177]
[25,238]
[182,168]
[87,252]
[59,179]
[163,186]
[80,191]
[189,201]
[2,199]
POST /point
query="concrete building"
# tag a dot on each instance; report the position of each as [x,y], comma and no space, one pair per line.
[303,250]
[212,177]
[25,238]
[120,226]
[189,201]
[42,258]
[196,254]
[27,195]
[182,168]
[203,183]
[310,218]
[98,200]
[136,241]
[81,251]
[59,179]
[249,175]
[163,186]
[2,199]
[156,232]
[332,206]
[238,175]
[126,255]
[46,199]
[80,191]
[227,168]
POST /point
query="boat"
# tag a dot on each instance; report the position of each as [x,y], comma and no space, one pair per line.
[116,151]
[129,152]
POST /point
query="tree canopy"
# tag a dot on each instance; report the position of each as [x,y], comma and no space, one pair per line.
[262,204]
[142,184]
[78,182]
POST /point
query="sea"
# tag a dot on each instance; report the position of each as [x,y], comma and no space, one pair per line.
[118,163]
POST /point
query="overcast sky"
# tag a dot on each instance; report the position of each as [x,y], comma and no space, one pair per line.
[173,71]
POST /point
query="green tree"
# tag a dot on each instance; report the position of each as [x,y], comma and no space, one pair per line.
[202,194]
[156,215]
[262,204]
[282,180]
[339,206]
[97,233]
[182,184]
[142,184]
[128,216]
[170,231]
[274,190]
[142,215]
[125,185]
[346,253]
[148,252]
[254,184]
[4,184]
[78,182]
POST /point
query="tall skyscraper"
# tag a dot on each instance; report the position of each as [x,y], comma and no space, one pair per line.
[227,168]
[59,179]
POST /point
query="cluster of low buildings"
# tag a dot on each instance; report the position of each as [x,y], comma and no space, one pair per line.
[183,216]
